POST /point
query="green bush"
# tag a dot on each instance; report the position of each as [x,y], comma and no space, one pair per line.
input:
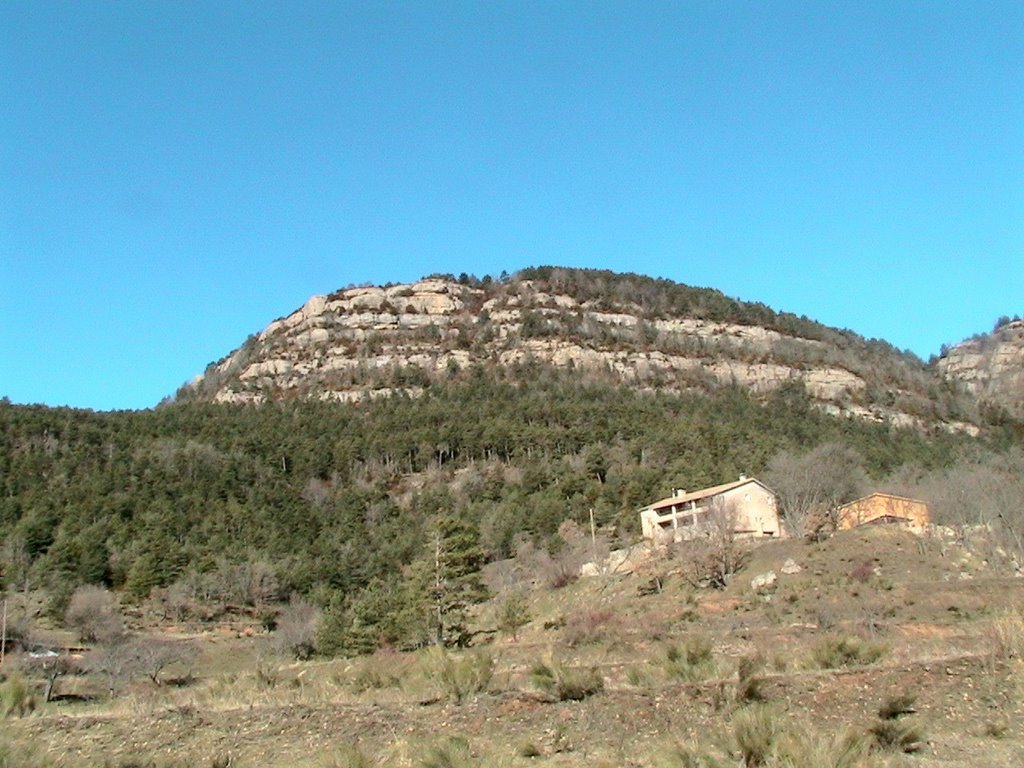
[513,615]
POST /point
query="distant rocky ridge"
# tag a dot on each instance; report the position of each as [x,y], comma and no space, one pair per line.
[375,341]
[991,367]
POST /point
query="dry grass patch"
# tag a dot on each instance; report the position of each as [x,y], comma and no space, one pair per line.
[1006,635]
[459,676]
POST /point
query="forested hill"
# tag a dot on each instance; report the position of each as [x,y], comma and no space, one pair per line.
[331,497]
[329,455]
[620,329]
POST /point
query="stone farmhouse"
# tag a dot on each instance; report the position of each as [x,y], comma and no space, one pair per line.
[746,506]
[879,508]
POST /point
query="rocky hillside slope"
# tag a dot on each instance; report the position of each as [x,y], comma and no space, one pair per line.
[652,334]
[991,367]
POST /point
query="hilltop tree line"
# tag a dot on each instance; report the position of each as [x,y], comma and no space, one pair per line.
[379,513]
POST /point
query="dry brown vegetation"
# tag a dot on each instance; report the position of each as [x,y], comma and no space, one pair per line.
[916,661]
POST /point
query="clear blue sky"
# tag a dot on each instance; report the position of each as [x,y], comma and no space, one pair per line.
[175,175]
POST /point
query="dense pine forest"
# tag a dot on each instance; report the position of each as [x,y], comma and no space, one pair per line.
[325,500]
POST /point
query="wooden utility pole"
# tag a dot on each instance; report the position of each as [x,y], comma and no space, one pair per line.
[3,634]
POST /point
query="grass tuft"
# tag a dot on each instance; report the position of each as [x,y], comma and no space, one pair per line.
[460,676]
[756,730]
[567,683]
[897,736]
[349,756]
[749,683]
[453,752]
[692,661]
[837,652]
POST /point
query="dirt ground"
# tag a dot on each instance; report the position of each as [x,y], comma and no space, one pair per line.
[933,610]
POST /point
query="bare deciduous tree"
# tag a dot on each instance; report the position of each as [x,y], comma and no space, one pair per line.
[713,555]
[297,628]
[48,668]
[95,614]
[114,660]
[982,496]
[811,486]
[151,656]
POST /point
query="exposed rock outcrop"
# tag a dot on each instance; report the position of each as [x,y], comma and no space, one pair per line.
[991,367]
[372,341]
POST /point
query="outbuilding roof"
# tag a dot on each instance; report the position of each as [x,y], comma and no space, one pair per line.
[882,494]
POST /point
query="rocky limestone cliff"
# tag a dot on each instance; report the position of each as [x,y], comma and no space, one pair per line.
[991,367]
[372,341]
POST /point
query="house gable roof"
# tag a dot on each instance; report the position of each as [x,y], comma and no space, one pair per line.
[705,493]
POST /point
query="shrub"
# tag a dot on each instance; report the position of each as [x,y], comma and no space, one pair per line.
[809,748]
[589,627]
[637,676]
[836,652]
[266,674]
[528,749]
[460,676]
[691,661]
[15,697]
[18,634]
[513,615]
[567,683]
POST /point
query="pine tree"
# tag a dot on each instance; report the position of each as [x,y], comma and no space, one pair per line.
[446,580]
